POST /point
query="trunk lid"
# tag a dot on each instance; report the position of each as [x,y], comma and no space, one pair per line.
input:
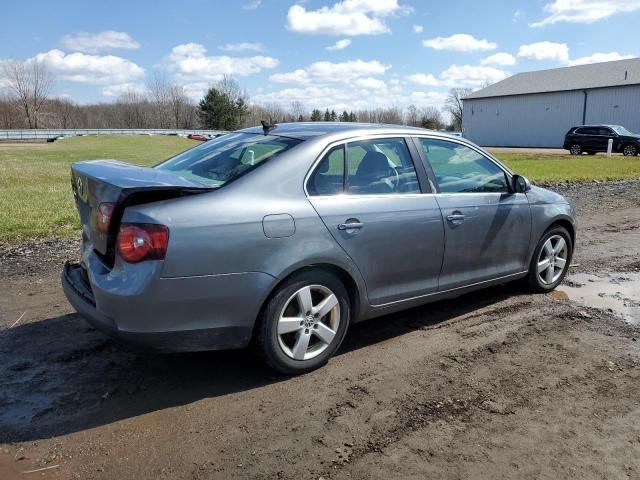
[120,184]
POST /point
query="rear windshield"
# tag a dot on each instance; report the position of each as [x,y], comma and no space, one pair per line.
[621,130]
[228,157]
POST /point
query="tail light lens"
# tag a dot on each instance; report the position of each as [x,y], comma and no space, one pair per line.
[138,242]
[105,212]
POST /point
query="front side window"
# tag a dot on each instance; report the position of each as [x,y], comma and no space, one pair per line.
[228,157]
[460,169]
[380,166]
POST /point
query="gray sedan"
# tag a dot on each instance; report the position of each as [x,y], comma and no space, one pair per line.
[282,236]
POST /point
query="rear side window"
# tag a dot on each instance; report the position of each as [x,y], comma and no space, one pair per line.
[381,166]
[460,169]
[378,166]
[328,178]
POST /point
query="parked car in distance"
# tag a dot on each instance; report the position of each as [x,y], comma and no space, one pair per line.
[197,136]
[595,138]
[282,236]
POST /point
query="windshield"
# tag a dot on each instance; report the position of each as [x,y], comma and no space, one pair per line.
[228,157]
[621,130]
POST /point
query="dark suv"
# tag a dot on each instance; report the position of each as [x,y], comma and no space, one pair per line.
[595,138]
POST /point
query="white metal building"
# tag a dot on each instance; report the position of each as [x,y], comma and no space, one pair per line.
[536,109]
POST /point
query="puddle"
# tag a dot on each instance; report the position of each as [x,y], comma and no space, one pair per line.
[618,293]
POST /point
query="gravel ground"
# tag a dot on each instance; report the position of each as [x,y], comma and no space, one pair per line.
[496,384]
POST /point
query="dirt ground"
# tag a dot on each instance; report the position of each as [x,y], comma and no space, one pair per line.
[496,384]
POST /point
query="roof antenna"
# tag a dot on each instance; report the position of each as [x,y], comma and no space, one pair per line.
[268,126]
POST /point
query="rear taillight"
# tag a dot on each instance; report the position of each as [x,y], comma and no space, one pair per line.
[142,241]
[105,212]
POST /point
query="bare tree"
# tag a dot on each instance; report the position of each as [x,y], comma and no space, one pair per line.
[160,96]
[431,117]
[131,107]
[298,111]
[412,117]
[31,82]
[180,107]
[453,104]
[10,115]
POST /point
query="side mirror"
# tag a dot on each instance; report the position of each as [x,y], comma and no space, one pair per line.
[520,184]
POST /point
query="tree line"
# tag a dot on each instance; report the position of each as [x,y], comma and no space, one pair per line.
[27,102]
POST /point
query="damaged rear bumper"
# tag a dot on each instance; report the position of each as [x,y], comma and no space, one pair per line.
[173,314]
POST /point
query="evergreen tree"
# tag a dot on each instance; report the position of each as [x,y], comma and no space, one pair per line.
[333,117]
[327,116]
[224,106]
[316,116]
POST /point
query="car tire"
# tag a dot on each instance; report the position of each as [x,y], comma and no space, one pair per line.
[280,341]
[540,279]
[575,149]
[629,150]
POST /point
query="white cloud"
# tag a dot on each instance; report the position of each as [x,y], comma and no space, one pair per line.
[189,62]
[370,82]
[340,44]
[80,67]
[95,42]
[472,76]
[584,11]
[347,17]
[545,51]
[459,42]
[423,79]
[418,29]
[252,5]
[120,88]
[329,72]
[241,47]
[339,97]
[599,57]
[499,59]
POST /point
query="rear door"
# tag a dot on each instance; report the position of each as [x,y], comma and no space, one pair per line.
[379,208]
[487,228]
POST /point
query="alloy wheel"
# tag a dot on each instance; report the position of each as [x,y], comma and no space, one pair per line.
[575,149]
[630,151]
[308,322]
[552,260]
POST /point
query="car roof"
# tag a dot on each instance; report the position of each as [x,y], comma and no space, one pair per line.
[308,130]
[598,125]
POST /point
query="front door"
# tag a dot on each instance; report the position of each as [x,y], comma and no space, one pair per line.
[378,213]
[487,228]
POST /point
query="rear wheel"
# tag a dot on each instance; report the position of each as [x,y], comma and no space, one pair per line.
[630,150]
[551,260]
[575,149]
[304,322]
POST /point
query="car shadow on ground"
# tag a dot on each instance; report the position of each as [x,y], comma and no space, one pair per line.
[60,376]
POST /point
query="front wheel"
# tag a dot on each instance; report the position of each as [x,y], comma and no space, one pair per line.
[575,149]
[551,260]
[304,322]
[630,150]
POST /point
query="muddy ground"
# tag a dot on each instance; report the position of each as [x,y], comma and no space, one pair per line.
[496,384]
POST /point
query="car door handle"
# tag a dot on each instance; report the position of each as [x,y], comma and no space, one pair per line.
[455,217]
[350,225]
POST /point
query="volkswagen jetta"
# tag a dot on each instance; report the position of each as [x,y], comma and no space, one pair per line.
[283,236]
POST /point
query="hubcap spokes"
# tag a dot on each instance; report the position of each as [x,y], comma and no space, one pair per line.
[552,260]
[308,322]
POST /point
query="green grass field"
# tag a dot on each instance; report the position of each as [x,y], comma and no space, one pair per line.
[563,168]
[36,201]
[35,192]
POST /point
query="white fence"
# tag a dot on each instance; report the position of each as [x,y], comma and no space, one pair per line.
[44,134]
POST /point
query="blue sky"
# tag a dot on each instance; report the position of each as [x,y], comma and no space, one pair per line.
[348,54]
